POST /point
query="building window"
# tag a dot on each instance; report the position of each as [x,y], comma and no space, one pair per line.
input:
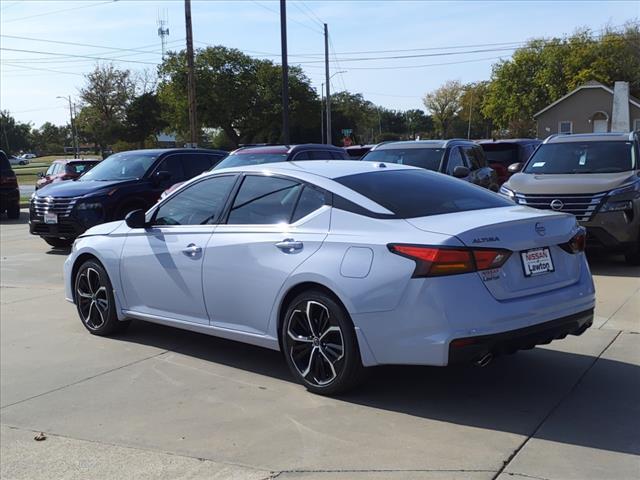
[636,124]
[565,127]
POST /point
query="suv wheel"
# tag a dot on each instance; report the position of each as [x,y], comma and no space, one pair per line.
[13,212]
[59,242]
[320,345]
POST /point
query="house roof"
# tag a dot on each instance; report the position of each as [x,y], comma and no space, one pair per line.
[590,84]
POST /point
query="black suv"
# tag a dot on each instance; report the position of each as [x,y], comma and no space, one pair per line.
[9,192]
[503,153]
[257,155]
[125,181]
[459,158]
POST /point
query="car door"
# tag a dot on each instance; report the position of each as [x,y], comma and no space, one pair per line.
[273,225]
[161,266]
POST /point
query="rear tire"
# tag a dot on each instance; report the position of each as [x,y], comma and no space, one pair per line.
[13,212]
[58,242]
[319,344]
[94,300]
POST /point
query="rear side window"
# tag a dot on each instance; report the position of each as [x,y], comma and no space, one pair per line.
[418,193]
[429,158]
[173,165]
[302,156]
[310,200]
[195,164]
[264,201]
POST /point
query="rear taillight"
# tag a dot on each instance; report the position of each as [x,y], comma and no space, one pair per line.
[438,261]
[577,243]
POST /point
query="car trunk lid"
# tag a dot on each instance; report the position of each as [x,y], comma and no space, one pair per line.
[520,230]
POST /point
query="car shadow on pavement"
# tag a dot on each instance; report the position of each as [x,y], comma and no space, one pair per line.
[602,263]
[515,393]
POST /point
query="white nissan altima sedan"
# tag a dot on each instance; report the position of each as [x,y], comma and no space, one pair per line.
[340,265]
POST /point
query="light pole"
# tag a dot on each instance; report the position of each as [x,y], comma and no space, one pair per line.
[329,139]
[73,129]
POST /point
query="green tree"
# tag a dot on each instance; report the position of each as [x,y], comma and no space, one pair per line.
[545,70]
[444,105]
[143,118]
[14,136]
[106,95]
[50,138]
[471,106]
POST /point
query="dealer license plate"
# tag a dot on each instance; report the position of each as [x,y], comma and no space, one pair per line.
[50,217]
[536,262]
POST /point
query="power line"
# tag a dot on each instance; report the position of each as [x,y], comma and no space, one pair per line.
[72,56]
[290,19]
[93,4]
[44,69]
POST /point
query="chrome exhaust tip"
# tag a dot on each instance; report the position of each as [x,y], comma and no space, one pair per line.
[485,360]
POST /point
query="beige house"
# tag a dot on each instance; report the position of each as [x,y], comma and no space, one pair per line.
[592,107]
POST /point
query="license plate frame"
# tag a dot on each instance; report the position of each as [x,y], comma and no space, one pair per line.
[537,261]
[51,218]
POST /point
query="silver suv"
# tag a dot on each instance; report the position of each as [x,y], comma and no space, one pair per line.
[596,177]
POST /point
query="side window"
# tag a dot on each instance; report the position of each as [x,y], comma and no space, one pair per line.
[337,155]
[455,160]
[194,164]
[199,204]
[214,160]
[173,165]
[302,156]
[264,201]
[52,169]
[310,200]
[470,157]
[321,155]
[479,154]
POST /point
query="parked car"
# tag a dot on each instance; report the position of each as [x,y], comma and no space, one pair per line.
[125,181]
[9,191]
[259,155]
[459,158]
[595,177]
[339,265]
[28,156]
[65,169]
[18,160]
[356,152]
[502,153]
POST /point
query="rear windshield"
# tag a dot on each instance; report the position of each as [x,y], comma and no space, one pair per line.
[429,158]
[244,159]
[502,153]
[418,193]
[585,157]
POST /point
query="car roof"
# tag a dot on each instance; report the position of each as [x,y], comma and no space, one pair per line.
[250,149]
[519,141]
[591,137]
[422,144]
[323,168]
[161,151]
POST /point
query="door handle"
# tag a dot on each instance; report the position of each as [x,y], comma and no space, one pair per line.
[192,250]
[289,245]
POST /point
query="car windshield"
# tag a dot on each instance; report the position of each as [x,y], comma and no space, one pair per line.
[78,167]
[502,153]
[415,193]
[582,157]
[243,159]
[121,166]
[429,158]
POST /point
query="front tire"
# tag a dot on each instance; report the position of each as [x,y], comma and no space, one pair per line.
[320,345]
[94,300]
[13,212]
[59,242]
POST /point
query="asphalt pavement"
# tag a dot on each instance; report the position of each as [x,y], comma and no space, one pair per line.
[160,403]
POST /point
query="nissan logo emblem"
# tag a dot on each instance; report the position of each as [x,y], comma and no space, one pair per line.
[556,204]
[540,230]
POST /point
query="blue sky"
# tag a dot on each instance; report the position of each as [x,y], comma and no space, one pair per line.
[253,26]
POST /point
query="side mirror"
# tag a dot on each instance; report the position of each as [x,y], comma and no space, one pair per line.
[161,176]
[461,171]
[40,174]
[514,167]
[136,219]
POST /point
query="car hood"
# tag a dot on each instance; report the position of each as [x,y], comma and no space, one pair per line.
[529,183]
[104,228]
[72,188]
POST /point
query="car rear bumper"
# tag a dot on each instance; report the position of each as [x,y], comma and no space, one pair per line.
[471,349]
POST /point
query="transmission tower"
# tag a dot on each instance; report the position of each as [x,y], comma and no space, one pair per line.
[163,29]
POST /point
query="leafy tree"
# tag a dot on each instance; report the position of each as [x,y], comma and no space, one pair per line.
[50,138]
[14,136]
[444,105]
[418,123]
[107,94]
[471,103]
[545,70]
[143,118]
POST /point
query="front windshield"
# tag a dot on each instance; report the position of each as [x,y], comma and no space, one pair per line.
[428,158]
[243,159]
[582,157]
[121,166]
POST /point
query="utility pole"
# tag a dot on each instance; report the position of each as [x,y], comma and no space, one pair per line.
[322,113]
[191,80]
[74,134]
[285,73]
[470,110]
[327,82]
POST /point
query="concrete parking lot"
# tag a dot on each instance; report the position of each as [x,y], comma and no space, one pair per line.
[162,403]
